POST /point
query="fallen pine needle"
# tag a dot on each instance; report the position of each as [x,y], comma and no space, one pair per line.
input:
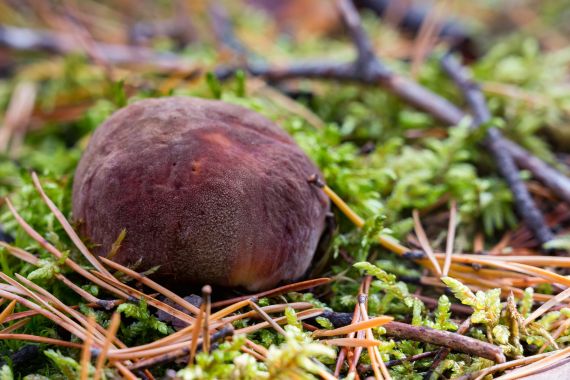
[371,323]
[352,342]
[109,336]
[547,305]
[7,311]
[40,339]
[86,350]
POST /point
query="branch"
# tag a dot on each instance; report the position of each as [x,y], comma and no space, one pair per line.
[453,341]
[444,351]
[357,33]
[524,203]
[22,39]
[552,178]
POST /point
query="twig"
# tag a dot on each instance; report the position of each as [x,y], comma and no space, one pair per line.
[366,62]
[207,303]
[137,295]
[352,342]
[55,252]
[493,142]
[386,241]
[448,339]
[545,173]
[23,39]
[444,351]
[357,316]
[15,326]
[17,116]
[451,340]
[267,318]
[197,327]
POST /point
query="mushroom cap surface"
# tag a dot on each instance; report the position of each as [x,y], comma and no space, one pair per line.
[210,192]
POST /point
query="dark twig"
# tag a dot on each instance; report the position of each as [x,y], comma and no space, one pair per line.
[444,351]
[60,43]
[524,203]
[545,173]
[366,56]
[448,339]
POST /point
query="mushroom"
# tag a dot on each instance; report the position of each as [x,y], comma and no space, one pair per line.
[208,192]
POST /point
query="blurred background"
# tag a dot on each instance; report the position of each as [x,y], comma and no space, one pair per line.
[66,65]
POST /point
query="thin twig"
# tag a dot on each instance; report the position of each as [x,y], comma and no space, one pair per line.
[524,203]
[454,341]
[267,318]
[207,302]
[552,178]
[444,351]
[23,39]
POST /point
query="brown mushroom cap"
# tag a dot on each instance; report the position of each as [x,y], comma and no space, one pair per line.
[211,192]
